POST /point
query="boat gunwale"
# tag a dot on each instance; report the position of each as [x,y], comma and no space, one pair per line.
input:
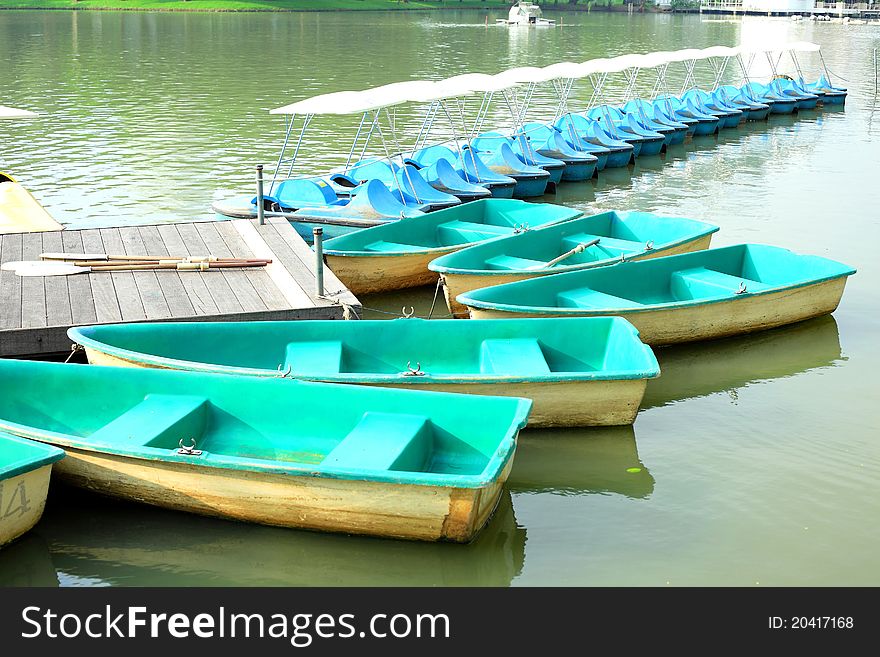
[710,229]
[49,454]
[650,368]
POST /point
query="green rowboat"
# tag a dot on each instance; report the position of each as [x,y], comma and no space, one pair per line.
[395,255]
[582,372]
[594,241]
[351,459]
[25,468]
[680,298]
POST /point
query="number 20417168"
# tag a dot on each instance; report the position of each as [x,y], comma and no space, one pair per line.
[811,622]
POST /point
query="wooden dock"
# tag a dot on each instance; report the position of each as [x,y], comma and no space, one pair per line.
[35,312]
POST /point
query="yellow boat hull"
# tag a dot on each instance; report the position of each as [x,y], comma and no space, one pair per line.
[707,321]
[455,284]
[22,500]
[324,504]
[20,212]
[384,273]
[556,404]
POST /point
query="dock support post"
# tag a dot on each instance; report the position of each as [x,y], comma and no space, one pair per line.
[260,208]
[318,234]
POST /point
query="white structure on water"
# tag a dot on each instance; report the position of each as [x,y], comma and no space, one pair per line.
[758,6]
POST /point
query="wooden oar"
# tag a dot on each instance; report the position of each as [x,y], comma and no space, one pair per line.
[164,261]
[54,268]
[104,257]
[578,249]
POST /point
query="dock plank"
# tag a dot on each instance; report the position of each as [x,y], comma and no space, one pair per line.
[33,288]
[197,291]
[295,294]
[217,285]
[57,293]
[82,302]
[152,297]
[259,278]
[333,287]
[127,294]
[103,289]
[236,279]
[10,284]
[36,312]
[175,293]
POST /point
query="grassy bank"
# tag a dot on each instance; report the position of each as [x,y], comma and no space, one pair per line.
[250,5]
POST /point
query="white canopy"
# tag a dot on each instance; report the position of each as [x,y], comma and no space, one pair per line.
[12,113]
[565,70]
[478,82]
[356,102]
[525,74]
[803,46]
[720,51]
[339,102]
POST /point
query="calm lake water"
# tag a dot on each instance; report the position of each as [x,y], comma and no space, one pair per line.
[755,461]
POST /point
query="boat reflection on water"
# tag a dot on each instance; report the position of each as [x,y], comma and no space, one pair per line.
[89,538]
[701,369]
[599,460]
[27,562]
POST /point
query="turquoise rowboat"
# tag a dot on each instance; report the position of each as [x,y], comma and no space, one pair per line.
[351,459]
[594,241]
[681,298]
[25,468]
[578,372]
[396,255]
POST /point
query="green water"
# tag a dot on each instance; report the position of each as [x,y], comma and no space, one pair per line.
[754,461]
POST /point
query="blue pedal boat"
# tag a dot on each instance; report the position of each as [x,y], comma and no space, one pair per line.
[620,153]
[786,87]
[469,166]
[489,142]
[738,98]
[442,176]
[649,117]
[556,137]
[548,140]
[780,104]
[729,116]
[614,121]
[707,124]
[530,181]
[578,166]
[401,180]
[834,95]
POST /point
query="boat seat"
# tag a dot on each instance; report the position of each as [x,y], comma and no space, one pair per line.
[608,243]
[513,356]
[700,282]
[457,232]
[585,297]
[505,262]
[385,441]
[320,357]
[393,247]
[158,421]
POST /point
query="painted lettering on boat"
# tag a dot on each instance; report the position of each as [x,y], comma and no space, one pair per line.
[15,502]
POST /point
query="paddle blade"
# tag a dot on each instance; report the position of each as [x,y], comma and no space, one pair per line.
[43,268]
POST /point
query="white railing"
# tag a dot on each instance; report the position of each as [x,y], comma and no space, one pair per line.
[721,4]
